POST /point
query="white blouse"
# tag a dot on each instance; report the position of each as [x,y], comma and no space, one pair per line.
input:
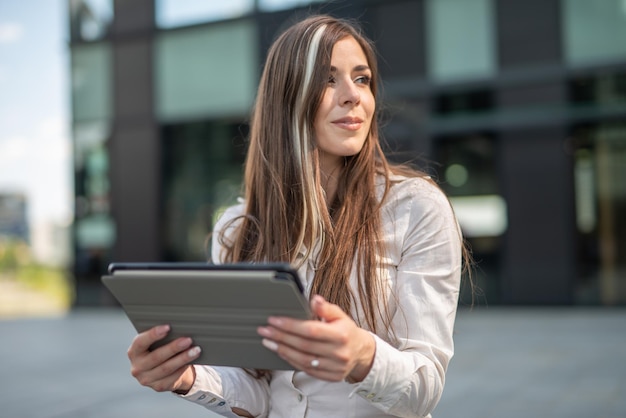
[423,266]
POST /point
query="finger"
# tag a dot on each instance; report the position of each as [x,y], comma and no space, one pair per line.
[142,342]
[326,311]
[169,350]
[301,360]
[299,351]
[325,368]
[165,376]
[274,337]
[305,329]
[162,361]
[156,358]
[312,330]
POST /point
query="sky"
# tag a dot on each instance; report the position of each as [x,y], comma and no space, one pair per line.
[35,142]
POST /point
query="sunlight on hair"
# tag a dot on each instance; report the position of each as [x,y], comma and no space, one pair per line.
[300,137]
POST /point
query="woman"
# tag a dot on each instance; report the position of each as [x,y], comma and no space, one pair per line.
[376,245]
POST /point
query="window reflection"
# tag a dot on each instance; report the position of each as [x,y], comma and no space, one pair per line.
[273,5]
[460,36]
[468,176]
[208,70]
[594,31]
[176,13]
[91,82]
[481,215]
[94,227]
[173,13]
[603,88]
[91,163]
[202,174]
[90,19]
[474,101]
[600,170]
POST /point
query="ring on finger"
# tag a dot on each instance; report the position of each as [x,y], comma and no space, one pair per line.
[315,363]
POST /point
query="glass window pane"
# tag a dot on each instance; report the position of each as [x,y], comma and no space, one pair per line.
[88,136]
[460,36]
[594,31]
[208,71]
[90,19]
[602,88]
[173,13]
[468,175]
[271,5]
[91,82]
[467,102]
[91,166]
[599,167]
[95,229]
[202,174]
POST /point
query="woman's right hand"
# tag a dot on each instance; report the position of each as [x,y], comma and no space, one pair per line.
[167,368]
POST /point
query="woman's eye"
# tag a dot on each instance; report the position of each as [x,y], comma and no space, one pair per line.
[364,80]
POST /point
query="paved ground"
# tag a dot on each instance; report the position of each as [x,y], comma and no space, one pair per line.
[18,300]
[510,362]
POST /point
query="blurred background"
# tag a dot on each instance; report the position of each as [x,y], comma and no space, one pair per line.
[123,126]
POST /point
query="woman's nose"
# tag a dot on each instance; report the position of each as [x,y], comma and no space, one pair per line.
[350,94]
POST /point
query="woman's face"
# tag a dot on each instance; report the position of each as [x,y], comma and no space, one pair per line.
[345,113]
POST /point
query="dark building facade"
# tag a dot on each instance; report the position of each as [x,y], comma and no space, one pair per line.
[517,107]
[14,217]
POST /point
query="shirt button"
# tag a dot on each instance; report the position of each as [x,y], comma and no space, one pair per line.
[221,403]
[201,397]
[300,397]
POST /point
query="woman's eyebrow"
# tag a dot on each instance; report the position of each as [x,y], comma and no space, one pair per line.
[333,69]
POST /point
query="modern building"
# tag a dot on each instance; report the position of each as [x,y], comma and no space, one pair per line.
[517,107]
[14,217]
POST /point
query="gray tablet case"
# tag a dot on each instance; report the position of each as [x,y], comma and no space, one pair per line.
[218,306]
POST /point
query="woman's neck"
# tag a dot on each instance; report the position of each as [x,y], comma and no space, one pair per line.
[330,175]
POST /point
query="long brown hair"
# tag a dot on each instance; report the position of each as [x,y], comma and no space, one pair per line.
[286,213]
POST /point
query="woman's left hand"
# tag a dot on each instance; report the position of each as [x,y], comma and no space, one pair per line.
[331,349]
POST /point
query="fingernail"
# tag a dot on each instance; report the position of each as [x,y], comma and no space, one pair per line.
[264,331]
[275,321]
[269,344]
[162,330]
[194,352]
[184,343]
[317,299]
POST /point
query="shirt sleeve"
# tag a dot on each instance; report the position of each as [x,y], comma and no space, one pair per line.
[220,389]
[408,374]
[225,226]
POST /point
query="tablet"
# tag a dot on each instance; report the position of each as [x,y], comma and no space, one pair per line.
[218,306]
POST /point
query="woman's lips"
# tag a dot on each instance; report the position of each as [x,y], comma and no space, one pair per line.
[349,123]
